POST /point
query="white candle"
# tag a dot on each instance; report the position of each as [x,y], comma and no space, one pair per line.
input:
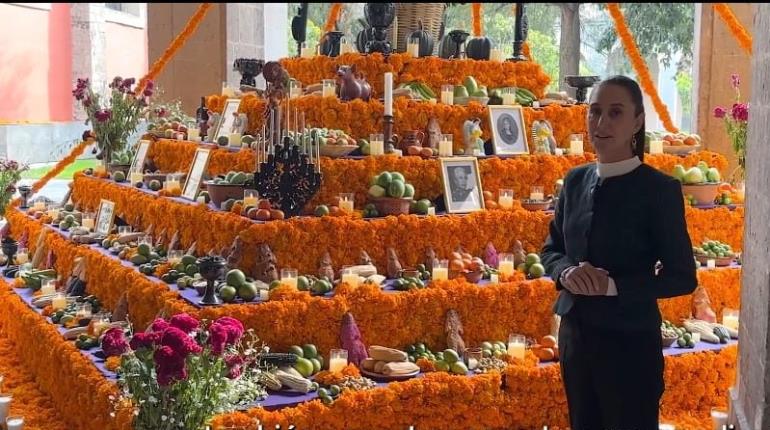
[536,196]
[192,133]
[307,52]
[48,288]
[88,223]
[346,205]
[656,147]
[264,294]
[376,147]
[505,202]
[494,279]
[59,302]
[15,423]
[535,104]
[235,139]
[389,94]
[201,199]
[505,268]
[447,96]
[432,211]
[350,279]
[440,274]
[5,405]
[576,147]
[413,49]
[328,88]
[516,349]
[445,148]
[509,99]
[730,321]
[171,184]
[336,364]
[711,263]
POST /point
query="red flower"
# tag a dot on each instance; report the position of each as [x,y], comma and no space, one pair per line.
[169,366]
[218,334]
[740,112]
[143,340]
[114,342]
[234,365]
[719,112]
[184,322]
[159,325]
[234,329]
[180,342]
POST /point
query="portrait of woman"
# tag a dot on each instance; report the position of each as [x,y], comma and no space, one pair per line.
[618,242]
[508,130]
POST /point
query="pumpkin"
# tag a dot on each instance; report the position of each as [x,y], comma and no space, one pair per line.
[424,40]
[478,48]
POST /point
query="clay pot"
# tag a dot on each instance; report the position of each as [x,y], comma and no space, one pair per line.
[703,193]
[391,206]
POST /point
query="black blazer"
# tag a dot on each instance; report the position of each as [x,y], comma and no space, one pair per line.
[625,225]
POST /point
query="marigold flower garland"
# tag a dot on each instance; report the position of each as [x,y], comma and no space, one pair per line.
[736,28]
[333,17]
[178,42]
[645,80]
[476,19]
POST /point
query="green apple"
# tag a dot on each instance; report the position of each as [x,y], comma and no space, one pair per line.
[679,172]
[694,176]
[712,175]
[532,259]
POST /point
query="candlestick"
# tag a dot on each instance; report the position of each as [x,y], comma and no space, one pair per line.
[388,94]
[14,423]
[49,287]
[388,130]
[517,345]
[537,194]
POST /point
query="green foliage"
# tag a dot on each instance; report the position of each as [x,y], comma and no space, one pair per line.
[684,88]
[546,53]
[316,18]
[659,30]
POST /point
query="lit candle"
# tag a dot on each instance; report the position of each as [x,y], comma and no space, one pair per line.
[329,88]
[264,294]
[509,98]
[719,419]
[201,199]
[347,202]
[656,147]
[505,266]
[88,222]
[350,277]
[136,177]
[376,144]
[174,257]
[14,423]
[517,345]
[388,94]
[445,146]
[250,198]
[59,301]
[537,194]
[505,200]
[711,263]
[5,405]
[289,277]
[413,49]
[730,318]
[576,147]
[494,278]
[432,211]
[193,133]
[338,359]
[49,287]
[172,182]
[235,139]
[447,94]
[441,271]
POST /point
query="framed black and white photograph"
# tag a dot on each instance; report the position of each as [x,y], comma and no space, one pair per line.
[137,166]
[509,134]
[105,217]
[225,125]
[462,184]
[195,173]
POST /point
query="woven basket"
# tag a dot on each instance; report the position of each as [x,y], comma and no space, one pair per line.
[407,17]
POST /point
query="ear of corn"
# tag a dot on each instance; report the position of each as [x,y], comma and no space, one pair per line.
[705,329]
[288,380]
[271,381]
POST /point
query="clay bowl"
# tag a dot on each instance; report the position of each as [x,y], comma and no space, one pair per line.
[390,206]
[703,193]
[336,151]
[532,205]
[221,192]
[473,277]
[668,341]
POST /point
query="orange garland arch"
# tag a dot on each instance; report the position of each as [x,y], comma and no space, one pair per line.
[476,18]
[638,63]
[334,15]
[736,28]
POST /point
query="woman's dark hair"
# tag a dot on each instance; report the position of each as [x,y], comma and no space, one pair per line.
[635,92]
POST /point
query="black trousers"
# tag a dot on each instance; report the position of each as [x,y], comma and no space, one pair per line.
[613,379]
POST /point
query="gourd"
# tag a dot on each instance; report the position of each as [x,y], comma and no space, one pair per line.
[401,368]
[424,40]
[705,329]
[478,48]
[382,353]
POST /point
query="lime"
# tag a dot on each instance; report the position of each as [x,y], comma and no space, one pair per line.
[302,283]
[296,350]
[316,365]
[247,291]
[227,293]
[458,368]
[309,350]
[532,259]
[451,356]
[334,390]
[536,270]
[304,367]
[441,366]
[321,210]
[235,277]
[323,392]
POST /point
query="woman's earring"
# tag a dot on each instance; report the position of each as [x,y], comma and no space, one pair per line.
[633,144]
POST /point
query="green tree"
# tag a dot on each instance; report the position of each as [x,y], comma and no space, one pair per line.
[546,53]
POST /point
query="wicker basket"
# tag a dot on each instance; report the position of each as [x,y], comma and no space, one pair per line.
[407,17]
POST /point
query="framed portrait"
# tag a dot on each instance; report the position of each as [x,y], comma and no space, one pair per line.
[225,124]
[509,134]
[462,184]
[137,166]
[105,217]
[195,173]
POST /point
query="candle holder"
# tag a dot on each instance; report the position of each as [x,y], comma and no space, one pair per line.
[25,191]
[211,268]
[581,85]
[249,68]
[389,138]
[521,29]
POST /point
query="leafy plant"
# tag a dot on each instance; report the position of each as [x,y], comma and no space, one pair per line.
[10,173]
[737,123]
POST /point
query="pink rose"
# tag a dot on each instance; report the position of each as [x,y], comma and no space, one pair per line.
[719,112]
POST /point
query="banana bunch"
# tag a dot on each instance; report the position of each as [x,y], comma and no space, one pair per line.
[34,279]
[419,90]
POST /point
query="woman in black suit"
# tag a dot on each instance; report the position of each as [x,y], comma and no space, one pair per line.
[615,220]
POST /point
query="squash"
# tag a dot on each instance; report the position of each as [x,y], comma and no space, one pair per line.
[424,40]
[330,43]
[364,36]
[478,48]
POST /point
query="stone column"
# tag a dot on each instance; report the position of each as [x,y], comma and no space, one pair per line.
[750,399]
[255,30]
[88,41]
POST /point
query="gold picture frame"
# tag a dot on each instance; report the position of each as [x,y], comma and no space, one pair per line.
[508,129]
[458,197]
[226,119]
[195,173]
[105,218]
[137,165]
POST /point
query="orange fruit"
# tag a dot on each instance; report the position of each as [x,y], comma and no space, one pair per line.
[544,354]
[414,150]
[491,204]
[263,214]
[690,141]
[264,204]
[488,195]
[456,256]
[335,211]
[456,265]
[426,152]
[677,142]
[548,341]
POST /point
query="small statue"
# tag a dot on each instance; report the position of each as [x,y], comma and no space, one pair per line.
[350,337]
[430,259]
[121,309]
[542,135]
[490,256]
[40,249]
[519,256]
[701,305]
[212,122]
[203,122]
[352,85]
[472,137]
[76,284]
[394,266]
[325,268]
[240,123]
[434,133]
[235,253]
[453,328]
[364,259]
[266,264]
